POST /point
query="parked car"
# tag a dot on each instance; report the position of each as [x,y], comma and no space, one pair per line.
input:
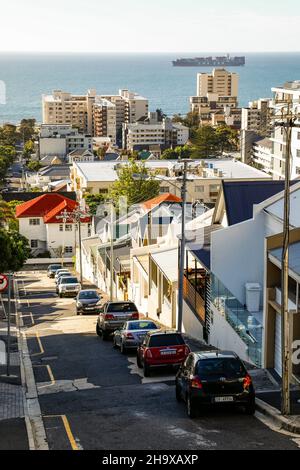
[214,378]
[113,315]
[88,301]
[69,286]
[52,269]
[132,333]
[61,278]
[161,348]
[59,271]
[62,274]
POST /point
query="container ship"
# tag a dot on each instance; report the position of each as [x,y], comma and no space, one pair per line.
[222,61]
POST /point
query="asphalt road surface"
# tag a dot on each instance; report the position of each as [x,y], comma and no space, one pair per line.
[93,397]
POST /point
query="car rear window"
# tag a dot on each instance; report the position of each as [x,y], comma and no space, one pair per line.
[228,367]
[122,307]
[54,266]
[90,294]
[142,325]
[166,340]
[70,280]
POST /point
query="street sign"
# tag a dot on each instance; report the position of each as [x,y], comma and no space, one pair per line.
[3,282]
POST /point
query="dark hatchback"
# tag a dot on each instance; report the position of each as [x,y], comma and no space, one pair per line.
[52,268]
[88,301]
[214,378]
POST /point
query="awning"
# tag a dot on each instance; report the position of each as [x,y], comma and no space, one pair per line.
[294,258]
[167,262]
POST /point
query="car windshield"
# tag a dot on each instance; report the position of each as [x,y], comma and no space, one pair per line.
[63,276]
[229,367]
[141,325]
[166,340]
[54,267]
[70,280]
[90,294]
[122,307]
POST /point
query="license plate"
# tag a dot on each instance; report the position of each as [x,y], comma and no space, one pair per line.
[223,399]
[168,352]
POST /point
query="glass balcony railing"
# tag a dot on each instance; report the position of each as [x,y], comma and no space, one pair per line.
[239,318]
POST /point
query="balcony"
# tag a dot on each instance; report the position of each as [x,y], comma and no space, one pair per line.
[245,324]
[194,293]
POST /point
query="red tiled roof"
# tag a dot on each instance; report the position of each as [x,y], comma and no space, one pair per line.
[167,197]
[48,206]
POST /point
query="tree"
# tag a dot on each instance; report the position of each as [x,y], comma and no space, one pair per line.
[191,120]
[93,201]
[169,154]
[14,250]
[227,138]
[27,129]
[9,135]
[205,142]
[135,183]
[7,154]
[33,165]
[28,148]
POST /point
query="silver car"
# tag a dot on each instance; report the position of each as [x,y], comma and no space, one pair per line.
[69,286]
[113,315]
[132,334]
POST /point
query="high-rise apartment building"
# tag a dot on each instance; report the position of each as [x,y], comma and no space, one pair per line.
[217,98]
[93,114]
[256,117]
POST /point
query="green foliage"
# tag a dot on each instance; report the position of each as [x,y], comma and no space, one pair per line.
[7,154]
[184,151]
[27,129]
[14,250]
[211,142]
[135,183]
[191,120]
[93,201]
[28,148]
[9,135]
[33,165]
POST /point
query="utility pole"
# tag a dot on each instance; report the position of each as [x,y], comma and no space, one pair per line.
[8,324]
[111,297]
[182,247]
[287,120]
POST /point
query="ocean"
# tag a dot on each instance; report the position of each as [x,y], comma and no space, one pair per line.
[28,76]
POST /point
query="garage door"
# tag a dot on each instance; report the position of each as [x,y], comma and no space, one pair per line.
[277,355]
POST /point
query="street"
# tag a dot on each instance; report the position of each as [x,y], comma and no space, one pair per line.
[93,397]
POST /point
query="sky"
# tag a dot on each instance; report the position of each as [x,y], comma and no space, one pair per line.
[149,25]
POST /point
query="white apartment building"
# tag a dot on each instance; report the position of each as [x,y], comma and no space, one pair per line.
[144,134]
[60,139]
[256,117]
[217,97]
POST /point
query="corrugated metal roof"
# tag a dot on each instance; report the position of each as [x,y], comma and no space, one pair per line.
[241,196]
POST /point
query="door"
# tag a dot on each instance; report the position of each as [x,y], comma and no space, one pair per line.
[277,346]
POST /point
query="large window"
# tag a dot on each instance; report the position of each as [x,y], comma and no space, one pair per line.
[68,249]
[34,243]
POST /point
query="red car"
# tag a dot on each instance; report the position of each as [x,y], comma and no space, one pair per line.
[161,348]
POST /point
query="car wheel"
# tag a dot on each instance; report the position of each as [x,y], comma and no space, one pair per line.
[123,348]
[138,361]
[250,408]
[105,335]
[178,393]
[98,330]
[191,408]
[146,370]
[60,295]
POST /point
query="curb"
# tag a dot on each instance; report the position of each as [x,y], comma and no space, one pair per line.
[33,417]
[291,424]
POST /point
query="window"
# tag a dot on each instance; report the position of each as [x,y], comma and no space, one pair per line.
[297,170]
[61,227]
[68,249]
[34,243]
[34,221]
[298,136]
[214,188]
[199,189]
[298,152]
[68,228]
[165,189]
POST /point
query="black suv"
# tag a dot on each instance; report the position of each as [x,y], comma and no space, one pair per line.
[214,378]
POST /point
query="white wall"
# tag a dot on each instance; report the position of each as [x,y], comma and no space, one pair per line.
[53,146]
[191,326]
[32,232]
[237,255]
[224,337]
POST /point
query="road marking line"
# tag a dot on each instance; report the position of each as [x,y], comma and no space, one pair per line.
[40,345]
[49,370]
[67,429]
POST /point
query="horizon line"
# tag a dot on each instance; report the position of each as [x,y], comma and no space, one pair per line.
[147,52]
